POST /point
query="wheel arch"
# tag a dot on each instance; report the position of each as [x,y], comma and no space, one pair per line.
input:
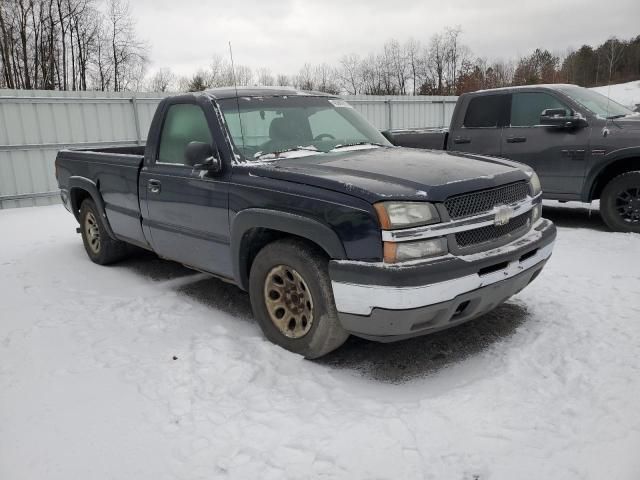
[610,171]
[253,229]
[81,188]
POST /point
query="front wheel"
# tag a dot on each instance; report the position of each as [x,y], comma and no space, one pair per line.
[292,299]
[620,203]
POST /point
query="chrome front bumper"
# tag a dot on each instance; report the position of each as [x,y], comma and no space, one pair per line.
[364,289]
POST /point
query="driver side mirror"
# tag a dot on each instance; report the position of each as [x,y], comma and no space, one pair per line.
[560,118]
[202,156]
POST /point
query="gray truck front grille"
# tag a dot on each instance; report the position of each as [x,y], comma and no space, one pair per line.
[484,201]
[492,232]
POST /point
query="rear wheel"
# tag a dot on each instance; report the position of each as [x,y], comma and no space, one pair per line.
[292,299]
[620,203]
[100,247]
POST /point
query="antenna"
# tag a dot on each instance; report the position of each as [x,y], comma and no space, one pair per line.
[235,85]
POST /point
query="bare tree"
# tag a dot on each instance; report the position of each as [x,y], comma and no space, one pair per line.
[396,67]
[264,77]
[127,51]
[6,45]
[304,79]
[326,79]
[244,75]
[414,57]
[283,80]
[161,81]
[350,74]
[452,55]
[436,60]
[613,53]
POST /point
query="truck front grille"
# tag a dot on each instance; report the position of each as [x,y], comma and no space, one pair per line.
[492,232]
[476,203]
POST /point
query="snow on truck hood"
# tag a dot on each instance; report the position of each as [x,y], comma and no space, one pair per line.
[394,173]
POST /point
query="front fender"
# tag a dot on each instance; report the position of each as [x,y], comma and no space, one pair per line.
[606,162]
[310,229]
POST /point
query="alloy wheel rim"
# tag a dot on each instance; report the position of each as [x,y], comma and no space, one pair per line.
[627,204]
[288,301]
[93,232]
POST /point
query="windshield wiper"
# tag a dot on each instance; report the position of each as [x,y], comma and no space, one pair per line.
[613,117]
[355,144]
[277,153]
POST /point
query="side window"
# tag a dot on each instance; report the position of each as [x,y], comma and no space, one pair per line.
[184,123]
[486,111]
[526,107]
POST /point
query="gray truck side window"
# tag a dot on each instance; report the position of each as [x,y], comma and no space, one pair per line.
[526,107]
[184,123]
[486,111]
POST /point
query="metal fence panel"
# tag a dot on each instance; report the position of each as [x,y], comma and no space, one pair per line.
[34,125]
[394,112]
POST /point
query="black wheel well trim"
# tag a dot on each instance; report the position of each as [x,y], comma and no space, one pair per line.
[276,224]
[81,188]
[608,171]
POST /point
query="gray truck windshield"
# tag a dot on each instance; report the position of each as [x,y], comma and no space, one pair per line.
[268,127]
[595,102]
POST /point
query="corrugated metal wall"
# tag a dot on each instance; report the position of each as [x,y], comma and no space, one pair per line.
[34,125]
[393,112]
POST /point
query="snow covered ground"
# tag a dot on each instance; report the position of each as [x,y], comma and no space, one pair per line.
[627,94]
[146,370]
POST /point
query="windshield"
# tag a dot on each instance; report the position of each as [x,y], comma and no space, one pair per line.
[295,126]
[595,102]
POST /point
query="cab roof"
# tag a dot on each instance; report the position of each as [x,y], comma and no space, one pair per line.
[547,86]
[232,92]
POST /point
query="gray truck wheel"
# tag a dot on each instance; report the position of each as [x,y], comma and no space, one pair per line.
[292,299]
[620,203]
[100,247]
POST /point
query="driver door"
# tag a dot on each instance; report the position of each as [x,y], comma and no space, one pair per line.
[558,155]
[186,209]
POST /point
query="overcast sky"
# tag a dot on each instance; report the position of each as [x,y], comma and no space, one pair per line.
[282,35]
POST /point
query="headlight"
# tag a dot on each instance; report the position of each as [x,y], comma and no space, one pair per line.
[403,251]
[406,214]
[534,181]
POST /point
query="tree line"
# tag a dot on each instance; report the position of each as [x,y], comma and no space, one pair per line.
[70,45]
[442,66]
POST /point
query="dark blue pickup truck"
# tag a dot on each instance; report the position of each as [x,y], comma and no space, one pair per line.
[333,231]
[583,145]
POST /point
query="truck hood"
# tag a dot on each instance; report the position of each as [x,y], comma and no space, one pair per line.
[618,137]
[393,173]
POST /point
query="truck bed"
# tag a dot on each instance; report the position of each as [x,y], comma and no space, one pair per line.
[113,171]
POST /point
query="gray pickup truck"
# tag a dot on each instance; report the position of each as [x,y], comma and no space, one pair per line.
[582,145]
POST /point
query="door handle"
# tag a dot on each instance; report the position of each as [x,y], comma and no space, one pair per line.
[154,186]
[516,139]
[460,140]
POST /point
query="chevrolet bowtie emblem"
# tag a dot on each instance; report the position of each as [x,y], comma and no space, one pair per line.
[503,215]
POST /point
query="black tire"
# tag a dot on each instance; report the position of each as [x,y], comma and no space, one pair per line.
[619,214]
[106,250]
[309,264]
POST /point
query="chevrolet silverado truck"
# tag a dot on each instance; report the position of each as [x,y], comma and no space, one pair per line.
[583,145]
[295,198]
